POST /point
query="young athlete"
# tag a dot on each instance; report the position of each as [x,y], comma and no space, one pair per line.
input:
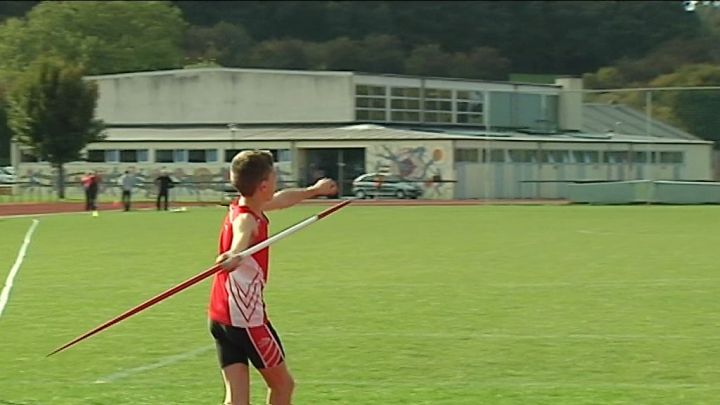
[238,320]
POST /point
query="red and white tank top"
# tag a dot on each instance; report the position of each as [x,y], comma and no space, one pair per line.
[236,297]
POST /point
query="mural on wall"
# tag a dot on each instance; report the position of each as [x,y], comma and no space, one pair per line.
[193,182]
[428,164]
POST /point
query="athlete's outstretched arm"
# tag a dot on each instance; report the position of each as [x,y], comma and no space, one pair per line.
[291,196]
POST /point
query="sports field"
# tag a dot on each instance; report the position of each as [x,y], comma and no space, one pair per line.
[380,305]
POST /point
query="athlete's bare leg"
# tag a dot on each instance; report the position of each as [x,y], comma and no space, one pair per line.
[280,384]
[237,384]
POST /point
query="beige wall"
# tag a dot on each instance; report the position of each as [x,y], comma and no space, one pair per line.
[222,96]
[503,180]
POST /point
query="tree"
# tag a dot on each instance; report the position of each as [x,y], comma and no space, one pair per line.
[52,111]
[103,36]
[382,54]
[285,54]
[696,111]
[428,60]
[480,63]
[225,43]
[342,54]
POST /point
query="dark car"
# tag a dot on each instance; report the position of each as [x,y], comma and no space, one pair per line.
[385,185]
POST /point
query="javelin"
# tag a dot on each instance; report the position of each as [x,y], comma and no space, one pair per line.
[205,274]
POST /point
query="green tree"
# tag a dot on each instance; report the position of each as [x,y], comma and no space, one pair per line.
[285,54]
[695,110]
[480,63]
[225,43]
[342,54]
[429,60]
[382,54]
[52,111]
[104,36]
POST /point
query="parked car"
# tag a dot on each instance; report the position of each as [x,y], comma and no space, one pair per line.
[7,175]
[382,185]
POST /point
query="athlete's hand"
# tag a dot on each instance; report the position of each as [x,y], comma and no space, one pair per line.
[324,187]
[228,264]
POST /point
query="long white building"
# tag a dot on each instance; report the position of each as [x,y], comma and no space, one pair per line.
[459,138]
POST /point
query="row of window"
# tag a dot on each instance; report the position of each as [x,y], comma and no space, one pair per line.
[413,104]
[163,155]
[474,155]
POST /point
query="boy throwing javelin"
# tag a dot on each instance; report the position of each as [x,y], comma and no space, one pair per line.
[238,319]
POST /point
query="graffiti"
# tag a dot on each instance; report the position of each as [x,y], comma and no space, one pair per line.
[428,165]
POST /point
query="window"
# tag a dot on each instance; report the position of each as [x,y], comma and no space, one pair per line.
[671,157]
[497,155]
[365,90]
[112,155]
[523,156]
[411,92]
[616,157]
[586,156]
[639,157]
[164,156]
[405,104]
[407,116]
[96,155]
[438,93]
[554,156]
[370,103]
[438,117]
[197,156]
[370,115]
[133,155]
[230,154]
[434,105]
[470,106]
[281,155]
[467,155]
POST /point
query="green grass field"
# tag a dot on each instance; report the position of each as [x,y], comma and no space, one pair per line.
[381,305]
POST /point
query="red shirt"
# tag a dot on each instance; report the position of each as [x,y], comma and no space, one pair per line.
[236,297]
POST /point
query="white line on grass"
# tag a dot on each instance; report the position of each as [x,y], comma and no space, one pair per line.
[499,336]
[5,294]
[512,385]
[471,335]
[692,282]
[152,366]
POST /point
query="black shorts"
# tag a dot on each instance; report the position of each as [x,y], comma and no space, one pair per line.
[260,344]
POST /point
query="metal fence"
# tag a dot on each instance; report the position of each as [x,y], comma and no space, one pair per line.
[208,192]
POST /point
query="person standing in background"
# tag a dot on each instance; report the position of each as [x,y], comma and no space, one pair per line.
[127,182]
[164,183]
[90,184]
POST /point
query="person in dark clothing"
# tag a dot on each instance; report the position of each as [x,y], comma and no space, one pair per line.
[164,183]
[90,184]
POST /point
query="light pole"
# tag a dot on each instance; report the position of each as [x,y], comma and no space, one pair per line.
[233,130]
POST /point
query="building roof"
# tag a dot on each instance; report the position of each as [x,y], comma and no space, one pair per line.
[363,132]
[303,72]
[603,118]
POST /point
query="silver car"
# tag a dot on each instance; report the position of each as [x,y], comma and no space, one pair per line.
[7,175]
[385,185]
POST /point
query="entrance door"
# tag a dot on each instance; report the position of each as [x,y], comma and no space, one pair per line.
[340,164]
